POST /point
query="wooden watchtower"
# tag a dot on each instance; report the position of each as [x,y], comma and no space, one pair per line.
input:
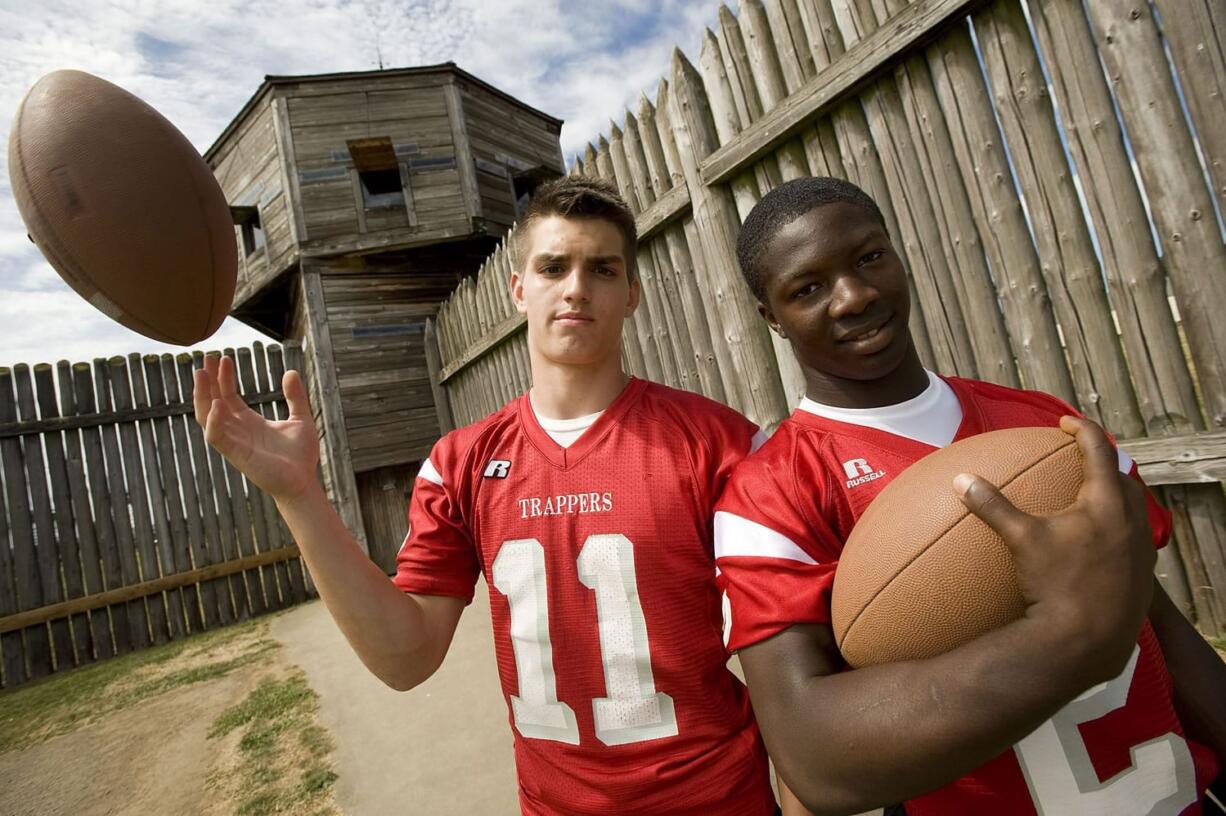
[359,201]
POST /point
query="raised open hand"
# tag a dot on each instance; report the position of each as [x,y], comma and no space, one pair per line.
[278,456]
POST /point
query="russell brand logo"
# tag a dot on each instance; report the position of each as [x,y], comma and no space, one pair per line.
[860,471]
[497,469]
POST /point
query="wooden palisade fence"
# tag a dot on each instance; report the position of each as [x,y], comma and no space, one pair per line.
[1011,196]
[119,527]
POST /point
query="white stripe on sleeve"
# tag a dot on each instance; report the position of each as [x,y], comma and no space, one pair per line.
[736,536]
[429,473]
[1125,461]
[759,439]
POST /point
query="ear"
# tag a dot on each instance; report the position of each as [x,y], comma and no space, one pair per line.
[636,291]
[769,317]
[516,287]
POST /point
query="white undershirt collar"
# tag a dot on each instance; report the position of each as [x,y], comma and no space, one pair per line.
[933,417]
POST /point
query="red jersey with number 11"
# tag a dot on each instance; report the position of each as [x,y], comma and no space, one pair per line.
[600,566]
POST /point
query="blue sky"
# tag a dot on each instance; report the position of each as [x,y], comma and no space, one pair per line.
[198,63]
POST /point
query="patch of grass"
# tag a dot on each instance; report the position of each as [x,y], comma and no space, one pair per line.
[278,735]
[317,779]
[259,805]
[40,710]
[269,702]
[316,740]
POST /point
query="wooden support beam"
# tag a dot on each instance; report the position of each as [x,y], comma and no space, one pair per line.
[101,600]
[918,22]
[479,349]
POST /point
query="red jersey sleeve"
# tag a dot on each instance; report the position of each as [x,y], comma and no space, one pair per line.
[776,569]
[438,556]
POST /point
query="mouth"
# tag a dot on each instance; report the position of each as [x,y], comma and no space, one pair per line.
[572,319]
[870,338]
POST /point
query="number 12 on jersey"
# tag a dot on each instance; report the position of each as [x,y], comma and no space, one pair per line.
[633,711]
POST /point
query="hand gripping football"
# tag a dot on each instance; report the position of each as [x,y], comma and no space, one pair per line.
[123,207]
[920,574]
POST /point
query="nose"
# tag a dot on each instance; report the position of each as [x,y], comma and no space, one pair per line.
[575,287]
[851,296]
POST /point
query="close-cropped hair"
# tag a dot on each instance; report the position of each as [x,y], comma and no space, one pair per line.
[581,197]
[783,205]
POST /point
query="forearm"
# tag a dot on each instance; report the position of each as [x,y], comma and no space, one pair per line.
[387,629]
[847,742]
[1198,675]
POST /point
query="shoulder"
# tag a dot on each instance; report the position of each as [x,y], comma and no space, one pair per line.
[776,461]
[450,456]
[1025,407]
[688,410]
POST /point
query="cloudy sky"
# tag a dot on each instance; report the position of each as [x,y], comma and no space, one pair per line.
[198,62]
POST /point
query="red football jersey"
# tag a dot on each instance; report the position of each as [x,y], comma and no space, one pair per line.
[1117,749]
[607,623]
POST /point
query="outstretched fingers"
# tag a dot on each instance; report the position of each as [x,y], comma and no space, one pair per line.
[202,395]
[295,395]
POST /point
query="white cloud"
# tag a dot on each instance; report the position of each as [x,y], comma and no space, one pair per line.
[198,63]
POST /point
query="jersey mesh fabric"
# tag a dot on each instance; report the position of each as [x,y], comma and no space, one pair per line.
[620,518]
[780,527]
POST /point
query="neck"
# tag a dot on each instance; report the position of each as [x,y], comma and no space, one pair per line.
[564,391]
[905,382]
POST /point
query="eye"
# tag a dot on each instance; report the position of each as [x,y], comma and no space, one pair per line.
[606,271]
[552,269]
[871,257]
[805,291]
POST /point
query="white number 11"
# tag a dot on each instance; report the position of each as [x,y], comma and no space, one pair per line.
[633,711]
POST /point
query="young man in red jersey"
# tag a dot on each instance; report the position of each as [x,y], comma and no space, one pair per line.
[587,505]
[1096,702]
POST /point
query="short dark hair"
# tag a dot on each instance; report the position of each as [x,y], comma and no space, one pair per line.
[783,205]
[581,197]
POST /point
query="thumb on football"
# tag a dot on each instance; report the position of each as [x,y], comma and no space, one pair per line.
[986,501]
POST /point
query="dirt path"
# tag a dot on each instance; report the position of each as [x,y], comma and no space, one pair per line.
[442,748]
[149,759]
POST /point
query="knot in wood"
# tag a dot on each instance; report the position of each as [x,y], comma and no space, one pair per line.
[1194,215]
[1134,14]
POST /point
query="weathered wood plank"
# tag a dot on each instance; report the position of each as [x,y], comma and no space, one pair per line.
[145,495]
[1196,33]
[1179,199]
[998,214]
[120,447]
[1134,273]
[46,545]
[62,502]
[144,589]
[88,529]
[34,658]
[320,334]
[1065,251]
[763,399]
[922,20]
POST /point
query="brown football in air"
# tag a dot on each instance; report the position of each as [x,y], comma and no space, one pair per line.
[123,207]
[920,574]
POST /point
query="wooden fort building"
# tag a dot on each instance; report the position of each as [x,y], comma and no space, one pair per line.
[359,201]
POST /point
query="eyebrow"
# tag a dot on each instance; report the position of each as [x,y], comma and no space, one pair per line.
[547,257]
